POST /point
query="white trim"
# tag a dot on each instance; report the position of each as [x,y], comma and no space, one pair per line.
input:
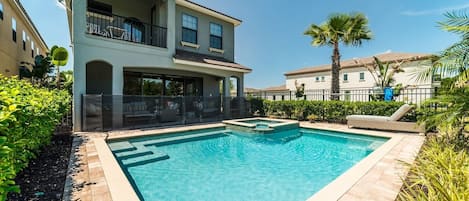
[187,44]
[192,63]
[211,49]
[207,11]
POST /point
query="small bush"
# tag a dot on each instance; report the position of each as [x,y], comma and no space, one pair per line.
[331,111]
[28,116]
[440,172]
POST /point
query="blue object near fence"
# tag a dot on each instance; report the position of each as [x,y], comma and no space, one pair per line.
[388,94]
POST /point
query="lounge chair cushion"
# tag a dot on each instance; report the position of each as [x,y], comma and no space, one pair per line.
[367,118]
[401,112]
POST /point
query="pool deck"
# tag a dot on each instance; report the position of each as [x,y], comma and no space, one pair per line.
[95,175]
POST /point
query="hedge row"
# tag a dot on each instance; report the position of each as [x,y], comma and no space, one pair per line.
[28,117]
[331,111]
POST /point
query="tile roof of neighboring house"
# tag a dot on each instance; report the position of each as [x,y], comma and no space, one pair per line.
[250,90]
[358,62]
[208,59]
[276,88]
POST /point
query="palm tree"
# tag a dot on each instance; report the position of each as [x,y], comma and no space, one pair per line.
[349,29]
[452,62]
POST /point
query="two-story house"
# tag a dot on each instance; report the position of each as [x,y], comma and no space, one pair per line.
[356,78]
[150,48]
[20,41]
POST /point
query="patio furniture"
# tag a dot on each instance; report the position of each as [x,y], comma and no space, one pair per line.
[385,123]
[137,111]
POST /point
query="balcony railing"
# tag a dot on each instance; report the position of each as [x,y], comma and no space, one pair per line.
[124,28]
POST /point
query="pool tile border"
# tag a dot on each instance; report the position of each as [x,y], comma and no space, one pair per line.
[101,178]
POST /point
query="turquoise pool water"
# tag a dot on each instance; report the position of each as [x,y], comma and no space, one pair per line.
[220,164]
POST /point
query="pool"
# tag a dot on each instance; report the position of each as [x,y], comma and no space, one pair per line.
[223,164]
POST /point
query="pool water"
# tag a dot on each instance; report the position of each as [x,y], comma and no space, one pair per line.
[231,165]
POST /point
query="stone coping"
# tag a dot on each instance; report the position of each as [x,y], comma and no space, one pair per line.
[354,184]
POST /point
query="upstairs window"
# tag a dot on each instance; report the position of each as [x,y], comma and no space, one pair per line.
[24,41]
[362,76]
[13,29]
[216,36]
[32,48]
[317,79]
[1,11]
[345,77]
[323,79]
[189,29]
[37,51]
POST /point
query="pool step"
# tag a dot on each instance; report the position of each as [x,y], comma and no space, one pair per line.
[141,160]
[123,146]
[184,138]
[140,151]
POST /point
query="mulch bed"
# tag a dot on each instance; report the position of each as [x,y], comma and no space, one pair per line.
[44,178]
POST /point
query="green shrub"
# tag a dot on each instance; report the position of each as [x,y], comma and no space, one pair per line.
[440,172]
[331,111]
[28,116]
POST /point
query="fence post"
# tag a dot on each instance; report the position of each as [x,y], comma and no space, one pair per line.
[323,95]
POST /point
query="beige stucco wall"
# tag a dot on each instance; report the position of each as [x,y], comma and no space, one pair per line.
[12,53]
[203,33]
[407,78]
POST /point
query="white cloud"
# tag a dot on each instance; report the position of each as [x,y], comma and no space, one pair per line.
[385,52]
[434,11]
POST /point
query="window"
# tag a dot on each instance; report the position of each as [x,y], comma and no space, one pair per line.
[189,29]
[13,28]
[323,79]
[1,11]
[24,41]
[32,48]
[362,76]
[317,79]
[216,36]
[135,29]
[273,97]
[345,77]
[37,51]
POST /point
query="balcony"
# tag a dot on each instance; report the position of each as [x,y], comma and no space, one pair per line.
[124,28]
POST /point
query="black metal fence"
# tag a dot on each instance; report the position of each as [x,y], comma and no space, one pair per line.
[124,28]
[110,112]
[413,95]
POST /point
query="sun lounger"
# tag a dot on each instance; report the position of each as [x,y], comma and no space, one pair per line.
[384,122]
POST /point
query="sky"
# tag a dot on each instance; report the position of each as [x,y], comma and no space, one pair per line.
[271,42]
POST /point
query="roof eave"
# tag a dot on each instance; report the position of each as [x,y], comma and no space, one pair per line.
[208,11]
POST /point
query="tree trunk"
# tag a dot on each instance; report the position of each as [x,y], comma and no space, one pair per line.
[57,79]
[335,87]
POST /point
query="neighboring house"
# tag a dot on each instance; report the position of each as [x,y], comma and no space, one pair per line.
[20,41]
[171,48]
[277,93]
[354,76]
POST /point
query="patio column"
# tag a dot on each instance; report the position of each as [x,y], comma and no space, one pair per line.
[226,98]
[241,98]
[117,92]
